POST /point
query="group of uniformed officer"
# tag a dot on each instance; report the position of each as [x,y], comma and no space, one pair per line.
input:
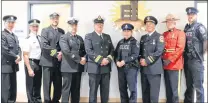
[57,55]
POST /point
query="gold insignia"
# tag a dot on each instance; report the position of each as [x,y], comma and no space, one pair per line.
[35,21]
[99,17]
[161,39]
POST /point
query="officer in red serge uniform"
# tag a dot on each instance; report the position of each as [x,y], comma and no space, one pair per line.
[173,58]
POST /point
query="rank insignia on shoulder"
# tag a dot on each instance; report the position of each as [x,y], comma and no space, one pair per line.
[161,39]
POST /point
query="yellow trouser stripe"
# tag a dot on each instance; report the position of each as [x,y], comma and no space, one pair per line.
[179,83]
[109,56]
[98,58]
[150,59]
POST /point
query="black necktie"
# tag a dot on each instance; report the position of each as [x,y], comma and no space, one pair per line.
[56,30]
[38,39]
[101,39]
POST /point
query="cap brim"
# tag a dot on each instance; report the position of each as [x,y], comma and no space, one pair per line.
[98,22]
[150,21]
[191,13]
[10,20]
[33,24]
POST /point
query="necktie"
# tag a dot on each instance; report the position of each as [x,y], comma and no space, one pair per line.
[101,37]
[56,30]
[38,39]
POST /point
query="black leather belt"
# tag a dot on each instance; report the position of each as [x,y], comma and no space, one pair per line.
[35,60]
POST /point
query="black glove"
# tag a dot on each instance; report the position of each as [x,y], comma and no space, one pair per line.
[166,62]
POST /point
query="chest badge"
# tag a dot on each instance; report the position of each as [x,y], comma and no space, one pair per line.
[153,42]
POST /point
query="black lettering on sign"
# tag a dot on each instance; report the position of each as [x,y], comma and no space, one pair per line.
[130,10]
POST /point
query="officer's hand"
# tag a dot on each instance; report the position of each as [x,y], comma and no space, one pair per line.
[59,56]
[122,63]
[18,59]
[166,62]
[143,62]
[31,73]
[118,64]
[104,62]
[83,61]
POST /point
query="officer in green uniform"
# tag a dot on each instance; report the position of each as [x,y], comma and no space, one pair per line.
[100,50]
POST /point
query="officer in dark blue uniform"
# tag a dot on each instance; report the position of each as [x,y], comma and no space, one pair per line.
[10,58]
[126,58]
[152,46]
[100,51]
[196,46]
[73,61]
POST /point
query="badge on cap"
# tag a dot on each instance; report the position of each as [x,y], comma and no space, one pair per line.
[73,20]
[126,27]
[12,18]
[99,17]
[189,10]
[35,21]
[148,18]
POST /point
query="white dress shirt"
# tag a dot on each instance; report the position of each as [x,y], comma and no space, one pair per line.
[151,33]
[32,46]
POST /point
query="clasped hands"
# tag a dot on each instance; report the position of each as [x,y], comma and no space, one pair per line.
[104,62]
[18,59]
[59,56]
[143,62]
[83,61]
[120,63]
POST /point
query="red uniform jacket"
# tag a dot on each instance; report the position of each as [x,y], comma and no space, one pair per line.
[174,48]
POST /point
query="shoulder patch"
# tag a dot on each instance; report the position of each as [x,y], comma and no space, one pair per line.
[161,39]
[202,29]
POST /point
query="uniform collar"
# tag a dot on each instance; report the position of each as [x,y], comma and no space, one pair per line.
[171,30]
[32,34]
[72,34]
[150,33]
[99,34]
[128,39]
[54,27]
[191,25]
[8,31]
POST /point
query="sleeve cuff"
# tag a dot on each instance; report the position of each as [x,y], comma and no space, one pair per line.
[98,59]
[110,58]
[149,60]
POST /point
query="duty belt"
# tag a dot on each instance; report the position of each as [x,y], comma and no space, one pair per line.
[35,60]
[129,65]
[169,50]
